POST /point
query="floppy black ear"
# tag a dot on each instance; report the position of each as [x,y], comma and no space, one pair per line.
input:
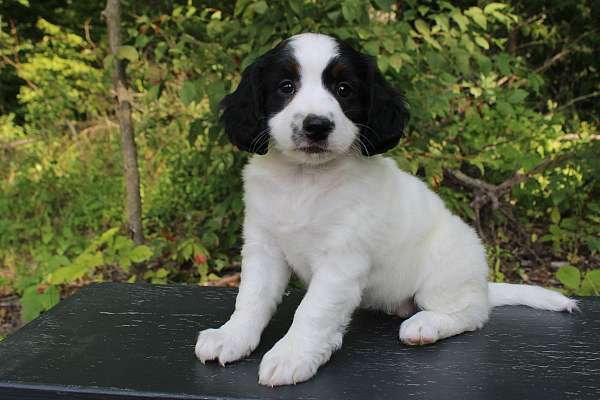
[387,116]
[243,113]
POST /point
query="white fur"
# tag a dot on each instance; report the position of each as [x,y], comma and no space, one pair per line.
[360,233]
[506,294]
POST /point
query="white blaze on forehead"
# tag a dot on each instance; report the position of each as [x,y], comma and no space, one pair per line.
[313,51]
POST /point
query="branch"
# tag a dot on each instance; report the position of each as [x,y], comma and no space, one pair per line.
[552,60]
[575,136]
[561,54]
[17,143]
[580,98]
[17,66]
[512,36]
[485,192]
[86,29]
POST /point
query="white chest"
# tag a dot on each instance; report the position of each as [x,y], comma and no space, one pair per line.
[305,218]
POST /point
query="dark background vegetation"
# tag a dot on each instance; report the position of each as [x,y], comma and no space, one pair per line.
[504,127]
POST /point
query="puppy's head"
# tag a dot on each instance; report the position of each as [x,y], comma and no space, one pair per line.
[314,98]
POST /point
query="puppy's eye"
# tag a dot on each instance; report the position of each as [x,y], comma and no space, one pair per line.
[343,89]
[287,87]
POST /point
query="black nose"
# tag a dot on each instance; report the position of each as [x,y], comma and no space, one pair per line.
[316,127]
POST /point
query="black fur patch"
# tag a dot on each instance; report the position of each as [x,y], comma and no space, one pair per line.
[378,110]
[246,110]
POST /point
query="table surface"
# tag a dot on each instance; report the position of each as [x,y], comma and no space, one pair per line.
[120,341]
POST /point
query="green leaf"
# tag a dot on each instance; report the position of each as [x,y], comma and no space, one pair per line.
[569,276]
[190,91]
[122,243]
[260,7]
[372,47]
[591,283]
[461,20]
[108,235]
[154,92]
[490,8]
[432,42]
[82,265]
[50,298]
[481,42]
[127,53]
[517,96]
[384,5]
[89,260]
[383,63]
[161,273]
[422,27]
[349,10]
[593,243]
[47,234]
[140,253]
[187,250]
[555,215]
[442,21]
[160,51]
[195,131]
[215,92]
[389,44]
[396,61]
[124,262]
[423,10]
[296,6]
[57,261]
[65,274]
[31,304]
[477,14]
[503,63]
[504,108]
[476,91]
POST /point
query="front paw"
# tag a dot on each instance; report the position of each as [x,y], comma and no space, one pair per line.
[288,363]
[225,344]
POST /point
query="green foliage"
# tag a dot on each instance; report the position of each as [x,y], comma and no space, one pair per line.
[479,104]
[40,290]
[571,278]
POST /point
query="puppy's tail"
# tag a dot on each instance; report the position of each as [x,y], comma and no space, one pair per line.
[506,294]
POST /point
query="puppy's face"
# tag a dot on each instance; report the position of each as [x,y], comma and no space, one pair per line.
[313,99]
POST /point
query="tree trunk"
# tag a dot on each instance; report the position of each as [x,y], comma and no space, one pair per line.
[112,14]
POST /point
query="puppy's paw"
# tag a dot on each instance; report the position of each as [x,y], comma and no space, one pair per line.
[224,344]
[287,363]
[418,330]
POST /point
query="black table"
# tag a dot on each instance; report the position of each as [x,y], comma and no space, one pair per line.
[119,341]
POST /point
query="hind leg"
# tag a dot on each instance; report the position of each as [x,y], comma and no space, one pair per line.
[454,295]
[448,308]
[428,327]
[442,319]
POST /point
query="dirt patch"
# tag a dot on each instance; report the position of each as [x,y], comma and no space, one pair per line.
[10,314]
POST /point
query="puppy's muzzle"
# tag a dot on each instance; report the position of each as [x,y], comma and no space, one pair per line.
[317,128]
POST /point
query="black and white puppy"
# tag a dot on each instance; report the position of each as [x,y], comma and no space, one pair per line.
[358,231]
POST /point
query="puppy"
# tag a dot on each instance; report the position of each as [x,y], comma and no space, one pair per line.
[321,201]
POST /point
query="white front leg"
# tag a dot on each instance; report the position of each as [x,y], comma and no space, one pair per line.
[264,278]
[319,323]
